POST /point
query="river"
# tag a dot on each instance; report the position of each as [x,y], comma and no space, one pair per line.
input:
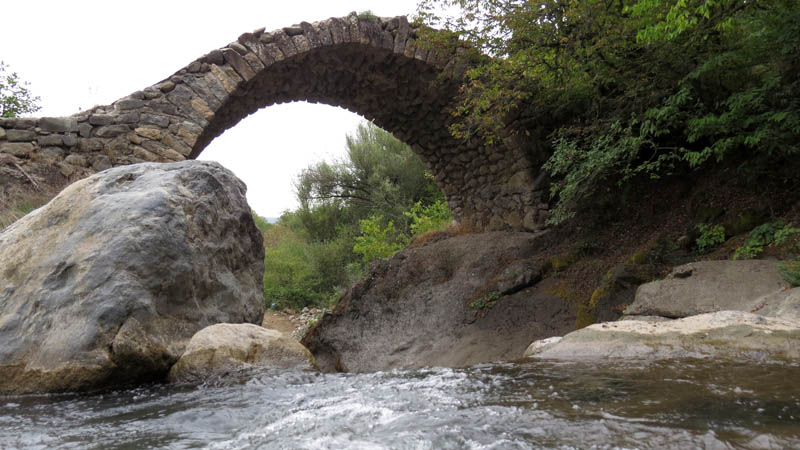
[525,405]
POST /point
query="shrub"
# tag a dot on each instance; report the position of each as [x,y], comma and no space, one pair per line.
[765,235]
[434,217]
[710,237]
[378,241]
[790,272]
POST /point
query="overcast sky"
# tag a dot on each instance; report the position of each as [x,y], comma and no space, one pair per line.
[77,54]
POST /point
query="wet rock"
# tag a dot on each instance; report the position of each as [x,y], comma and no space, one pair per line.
[106,284]
[223,349]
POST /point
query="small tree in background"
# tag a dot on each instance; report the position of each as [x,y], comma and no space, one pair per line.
[15,98]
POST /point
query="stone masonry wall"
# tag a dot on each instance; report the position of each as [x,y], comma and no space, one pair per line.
[374,68]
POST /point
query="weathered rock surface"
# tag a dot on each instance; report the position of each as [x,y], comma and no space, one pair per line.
[722,335]
[708,286]
[106,283]
[225,348]
[435,305]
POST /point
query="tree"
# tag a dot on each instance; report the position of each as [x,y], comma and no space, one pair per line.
[624,89]
[15,98]
[380,175]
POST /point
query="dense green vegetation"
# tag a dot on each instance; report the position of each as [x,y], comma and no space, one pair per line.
[626,89]
[351,212]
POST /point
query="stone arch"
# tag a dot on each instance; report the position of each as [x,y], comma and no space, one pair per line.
[371,67]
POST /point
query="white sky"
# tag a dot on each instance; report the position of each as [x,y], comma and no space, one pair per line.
[77,54]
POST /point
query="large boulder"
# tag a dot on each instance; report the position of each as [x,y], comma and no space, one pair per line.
[224,349]
[454,302]
[106,283]
[708,286]
[731,335]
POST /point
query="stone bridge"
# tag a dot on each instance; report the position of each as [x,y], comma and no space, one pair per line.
[372,67]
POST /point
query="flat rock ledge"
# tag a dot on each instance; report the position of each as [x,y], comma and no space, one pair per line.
[226,349]
[730,335]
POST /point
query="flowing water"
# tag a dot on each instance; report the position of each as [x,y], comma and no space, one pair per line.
[533,404]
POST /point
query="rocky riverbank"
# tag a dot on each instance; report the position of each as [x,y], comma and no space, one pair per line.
[728,310]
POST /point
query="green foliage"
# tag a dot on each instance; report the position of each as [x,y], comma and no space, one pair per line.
[15,98]
[351,212]
[262,224]
[486,302]
[633,88]
[762,236]
[380,175]
[301,273]
[710,237]
[790,271]
[433,217]
[378,240]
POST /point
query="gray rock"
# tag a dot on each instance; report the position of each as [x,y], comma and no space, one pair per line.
[21,149]
[154,119]
[454,302]
[129,103]
[20,135]
[224,348]
[730,335]
[112,130]
[70,140]
[58,124]
[105,284]
[51,139]
[708,286]
[783,305]
[101,119]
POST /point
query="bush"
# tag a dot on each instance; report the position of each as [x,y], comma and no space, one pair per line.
[378,241]
[763,236]
[433,217]
[710,237]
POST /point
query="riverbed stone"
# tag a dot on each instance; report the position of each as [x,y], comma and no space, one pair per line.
[223,349]
[106,283]
[708,286]
[725,335]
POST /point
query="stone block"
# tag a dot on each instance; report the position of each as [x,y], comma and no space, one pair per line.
[58,124]
[235,60]
[16,148]
[149,133]
[76,160]
[128,104]
[112,130]
[20,135]
[2,133]
[101,119]
[127,118]
[154,119]
[85,130]
[51,139]
[70,140]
